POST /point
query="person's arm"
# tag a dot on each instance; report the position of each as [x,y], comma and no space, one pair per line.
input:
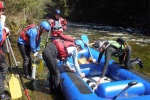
[66,37]
[64,24]
[32,34]
[51,22]
[100,56]
[38,44]
[3,18]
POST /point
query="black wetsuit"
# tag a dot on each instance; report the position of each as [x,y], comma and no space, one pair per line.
[50,54]
[25,53]
[110,51]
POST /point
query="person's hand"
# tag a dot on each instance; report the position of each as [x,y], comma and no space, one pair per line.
[95,62]
[7,30]
[35,54]
[61,29]
[50,21]
[101,80]
[72,70]
[64,22]
[98,82]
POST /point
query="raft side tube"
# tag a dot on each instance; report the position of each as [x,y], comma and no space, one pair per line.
[117,73]
[111,89]
[74,87]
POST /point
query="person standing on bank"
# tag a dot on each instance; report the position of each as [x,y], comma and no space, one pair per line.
[58,24]
[29,41]
[4,32]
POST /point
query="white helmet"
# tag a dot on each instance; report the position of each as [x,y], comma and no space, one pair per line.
[98,44]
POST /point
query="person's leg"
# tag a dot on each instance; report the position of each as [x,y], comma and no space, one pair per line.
[51,64]
[127,57]
[26,60]
[28,50]
[3,64]
[135,61]
[51,85]
[121,58]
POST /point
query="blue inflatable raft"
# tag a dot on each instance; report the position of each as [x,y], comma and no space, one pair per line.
[120,84]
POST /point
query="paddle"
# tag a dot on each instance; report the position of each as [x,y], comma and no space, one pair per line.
[14,85]
[86,42]
[40,65]
[48,37]
[129,85]
[20,76]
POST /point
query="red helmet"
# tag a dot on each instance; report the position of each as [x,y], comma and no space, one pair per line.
[1,5]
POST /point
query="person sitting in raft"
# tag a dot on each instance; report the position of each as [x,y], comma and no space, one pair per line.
[118,48]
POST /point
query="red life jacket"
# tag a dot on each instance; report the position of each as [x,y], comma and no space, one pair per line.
[23,34]
[3,37]
[62,46]
[55,27]
[66,37]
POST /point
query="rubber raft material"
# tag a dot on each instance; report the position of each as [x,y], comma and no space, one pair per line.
[79,83]
[109,90]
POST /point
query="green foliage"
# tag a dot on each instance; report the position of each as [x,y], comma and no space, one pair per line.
[63,5]
[23,12]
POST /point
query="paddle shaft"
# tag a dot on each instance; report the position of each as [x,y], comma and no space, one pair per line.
[48,37]
[89,51]
[86,42]
[20,76]
[128,86]
[8,52]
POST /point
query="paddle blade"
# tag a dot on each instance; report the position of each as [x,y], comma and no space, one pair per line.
[40,66]
[85,39]
[15,89]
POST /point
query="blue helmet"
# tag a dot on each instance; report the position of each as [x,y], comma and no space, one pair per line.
[57,12]
[46,25]
[80,43]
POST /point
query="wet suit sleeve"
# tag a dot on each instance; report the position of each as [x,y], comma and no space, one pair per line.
[33,34]
[100,56]
[38,44]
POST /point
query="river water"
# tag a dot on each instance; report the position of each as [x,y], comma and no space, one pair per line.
[104,32]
